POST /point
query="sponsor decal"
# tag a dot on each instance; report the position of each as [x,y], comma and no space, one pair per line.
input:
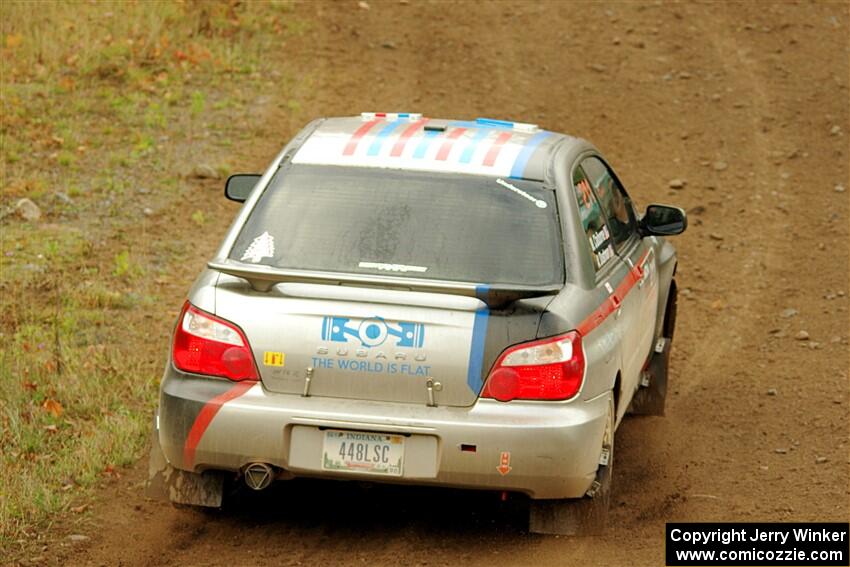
[363,336]
[540,203]
[261,247]
[373,332]
[271,358]
[504,463]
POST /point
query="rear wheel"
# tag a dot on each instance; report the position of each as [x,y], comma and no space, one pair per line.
[651,396]
[580,516]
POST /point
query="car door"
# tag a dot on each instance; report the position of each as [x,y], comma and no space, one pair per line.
[612,273]
[641,291]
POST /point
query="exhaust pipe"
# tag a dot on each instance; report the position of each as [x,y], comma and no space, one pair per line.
[258,476]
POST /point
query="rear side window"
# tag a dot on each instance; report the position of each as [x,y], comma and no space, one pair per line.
[612,199]
[592,220]
[468,228]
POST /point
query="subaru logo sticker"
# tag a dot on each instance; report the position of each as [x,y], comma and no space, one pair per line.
[373,332]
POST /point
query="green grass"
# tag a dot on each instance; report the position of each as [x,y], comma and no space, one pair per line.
[99,101]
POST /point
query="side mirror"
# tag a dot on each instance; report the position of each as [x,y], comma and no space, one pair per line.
[661,220]
[240,185]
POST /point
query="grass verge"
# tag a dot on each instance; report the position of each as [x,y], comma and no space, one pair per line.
[117,119]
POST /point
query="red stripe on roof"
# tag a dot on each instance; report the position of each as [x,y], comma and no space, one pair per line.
[351,146]
[206,416]
[443,153]
[494,150]
[398,148]
[614,300]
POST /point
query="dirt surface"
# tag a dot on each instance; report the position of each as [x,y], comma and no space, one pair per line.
[745,103]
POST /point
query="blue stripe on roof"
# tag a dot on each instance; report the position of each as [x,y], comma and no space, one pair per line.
[375,148]
[479,125]
[466,157]
[524,155]
[494,122]
[419,153]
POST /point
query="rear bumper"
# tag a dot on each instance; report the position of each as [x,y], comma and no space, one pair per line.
[554,448]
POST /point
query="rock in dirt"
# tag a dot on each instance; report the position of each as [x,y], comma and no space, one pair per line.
[63,197]
[205,171]
[821,460]
[27,210]
[677,183]
[78,538]
[720,165]
[788,313]
[802,336]
[839,188]
[771,391]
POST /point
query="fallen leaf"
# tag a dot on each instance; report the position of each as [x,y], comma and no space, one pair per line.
[67,83]
[53,407]
[14,40]
[80,509]
[31,386]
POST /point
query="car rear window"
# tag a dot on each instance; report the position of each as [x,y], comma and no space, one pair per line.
[409,224]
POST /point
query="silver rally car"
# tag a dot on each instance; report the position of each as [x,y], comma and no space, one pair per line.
[470,304]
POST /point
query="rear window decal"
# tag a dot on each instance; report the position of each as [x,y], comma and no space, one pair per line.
[539,202]
[392,267]
[598,238]
[586,196]
[261,247]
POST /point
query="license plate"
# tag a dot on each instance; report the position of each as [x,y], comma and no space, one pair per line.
[363,452]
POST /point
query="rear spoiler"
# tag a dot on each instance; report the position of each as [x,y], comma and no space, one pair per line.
[263,278]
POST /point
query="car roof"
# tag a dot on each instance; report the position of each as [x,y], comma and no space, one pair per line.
[410,141]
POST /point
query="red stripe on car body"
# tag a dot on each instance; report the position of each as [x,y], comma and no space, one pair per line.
[494,150]
[205,417]
[598,316]
[398,148]
[351,146]
[443,154]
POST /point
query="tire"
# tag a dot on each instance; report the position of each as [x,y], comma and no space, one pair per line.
[651,398]
[580,516]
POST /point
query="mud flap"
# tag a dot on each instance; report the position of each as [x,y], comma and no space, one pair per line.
[181,487]
[649,400]
[578,517]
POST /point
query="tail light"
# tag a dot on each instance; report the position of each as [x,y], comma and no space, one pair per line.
[548,369]
[206,344]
